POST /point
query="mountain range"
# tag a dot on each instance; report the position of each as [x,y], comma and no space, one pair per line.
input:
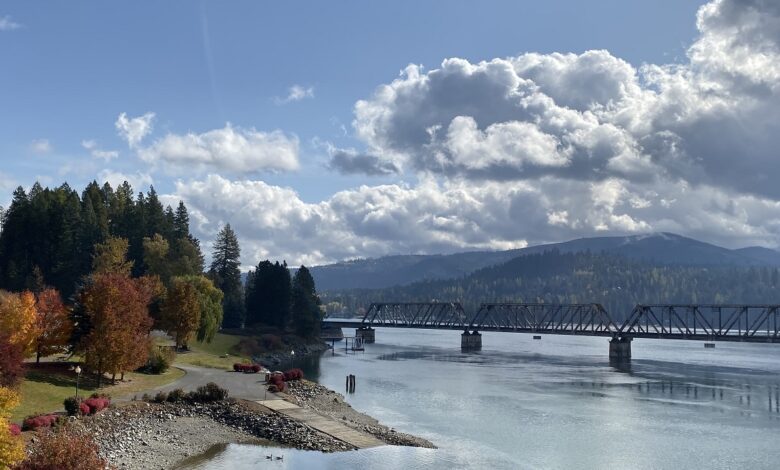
[666,249]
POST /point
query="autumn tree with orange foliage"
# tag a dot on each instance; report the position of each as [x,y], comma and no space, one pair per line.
[117,308]
[18,319]
[181,311]
[54,324]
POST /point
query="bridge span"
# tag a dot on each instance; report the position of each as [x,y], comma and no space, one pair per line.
[704,322]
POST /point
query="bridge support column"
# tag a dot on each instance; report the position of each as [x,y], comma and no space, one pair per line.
[620,348]
[367,333]
[471,341]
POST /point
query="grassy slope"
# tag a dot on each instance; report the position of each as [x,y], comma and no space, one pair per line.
[208,354]
[44,389]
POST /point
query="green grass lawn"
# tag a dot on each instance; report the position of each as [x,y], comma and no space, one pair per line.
[210,354]
[44,388]
[221,344]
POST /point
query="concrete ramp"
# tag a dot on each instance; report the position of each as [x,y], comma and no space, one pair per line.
[323,424]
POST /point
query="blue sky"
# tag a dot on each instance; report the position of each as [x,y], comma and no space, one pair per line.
[70,69]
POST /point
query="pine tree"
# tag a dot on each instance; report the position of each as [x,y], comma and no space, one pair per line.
[227,277]
[306,312]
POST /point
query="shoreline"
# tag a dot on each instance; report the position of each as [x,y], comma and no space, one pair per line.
[141,435]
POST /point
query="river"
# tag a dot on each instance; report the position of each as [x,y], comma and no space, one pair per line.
[550,403]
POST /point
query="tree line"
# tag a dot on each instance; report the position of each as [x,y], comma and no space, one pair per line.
[94,273]
[616,282]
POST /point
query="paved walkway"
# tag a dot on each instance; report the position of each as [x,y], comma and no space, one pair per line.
[323,424]
[246,386]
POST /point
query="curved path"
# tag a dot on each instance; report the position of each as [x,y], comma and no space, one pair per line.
[246,386]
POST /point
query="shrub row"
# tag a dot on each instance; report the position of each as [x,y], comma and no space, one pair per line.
[293,374]
[33,423]
[94,404]
[206,393]
[247,368]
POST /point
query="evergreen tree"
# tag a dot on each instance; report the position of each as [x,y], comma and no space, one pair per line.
[227,277]
[306,312]
[268,297]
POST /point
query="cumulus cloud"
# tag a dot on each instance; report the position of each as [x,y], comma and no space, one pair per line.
[350,161]
[542,147]
[296,93]
[133,130]
[229,149]
[7,24]
[96,152]
[41,146]
[139,181]
[713,120]
[437,217]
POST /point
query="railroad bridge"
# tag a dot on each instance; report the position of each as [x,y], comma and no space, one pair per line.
[704,322]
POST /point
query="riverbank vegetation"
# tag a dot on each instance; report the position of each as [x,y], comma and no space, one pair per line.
[86,279]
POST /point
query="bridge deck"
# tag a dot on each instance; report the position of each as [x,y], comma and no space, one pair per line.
[702,322]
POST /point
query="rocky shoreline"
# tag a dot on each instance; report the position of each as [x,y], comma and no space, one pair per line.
[139,435]
[280,359]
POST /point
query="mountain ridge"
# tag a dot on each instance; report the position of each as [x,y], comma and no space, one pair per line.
[662,248]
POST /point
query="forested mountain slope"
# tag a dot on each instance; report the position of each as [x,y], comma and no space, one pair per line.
[615,281]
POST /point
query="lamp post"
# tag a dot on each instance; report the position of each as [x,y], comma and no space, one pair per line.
[77,370]
[292,359]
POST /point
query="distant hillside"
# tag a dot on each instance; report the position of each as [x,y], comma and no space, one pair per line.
[657,248]
[615,281]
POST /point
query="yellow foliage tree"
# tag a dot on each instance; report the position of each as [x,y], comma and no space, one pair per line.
[18,317]
[11,447]
[111,257]
[181,311]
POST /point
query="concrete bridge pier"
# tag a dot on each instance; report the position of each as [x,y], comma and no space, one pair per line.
[367,333]
[620,348]
[471,341]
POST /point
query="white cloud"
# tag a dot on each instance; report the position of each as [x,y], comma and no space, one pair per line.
[7,24]
[41,146]
[133,130]
[296,93]
[229,149]
[522,150]
[714,120]
[96,152]
[139,181]
[274,222]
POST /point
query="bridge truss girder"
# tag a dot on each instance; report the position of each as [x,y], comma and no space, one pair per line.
[416,315]
[590,319]
[756,323]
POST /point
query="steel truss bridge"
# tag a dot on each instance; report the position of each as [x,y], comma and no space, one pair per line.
[707,322]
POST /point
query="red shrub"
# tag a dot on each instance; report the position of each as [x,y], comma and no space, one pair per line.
[38,422]
[64,451]
[247,368]
[277,380]
[83,409]
[97,405]
[293,374]
[14,429]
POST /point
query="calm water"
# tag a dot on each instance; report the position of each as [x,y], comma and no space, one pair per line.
[554,403]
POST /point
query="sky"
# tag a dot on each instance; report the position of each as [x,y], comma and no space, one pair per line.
[324,131]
